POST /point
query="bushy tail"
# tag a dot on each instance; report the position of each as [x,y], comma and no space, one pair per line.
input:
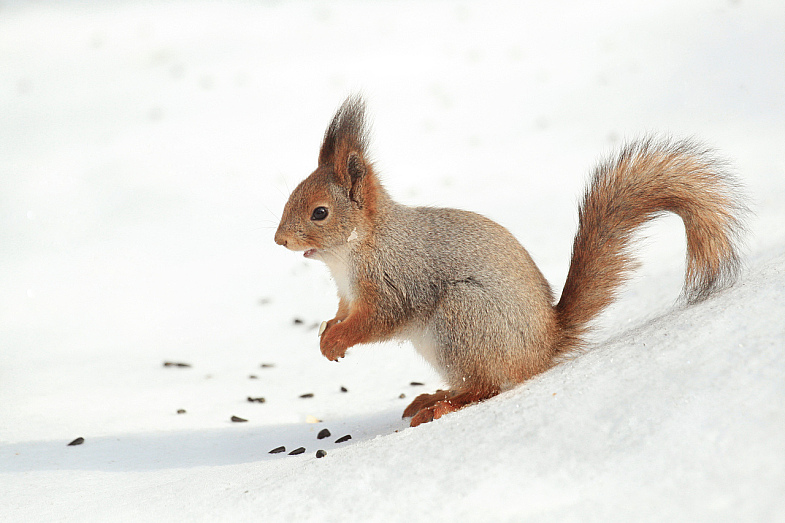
[646,179]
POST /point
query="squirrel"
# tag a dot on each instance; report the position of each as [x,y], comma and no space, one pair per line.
[464,291]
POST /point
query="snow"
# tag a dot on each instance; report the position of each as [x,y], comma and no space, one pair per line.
[147,150]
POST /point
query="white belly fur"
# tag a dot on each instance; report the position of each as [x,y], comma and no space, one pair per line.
[425,344]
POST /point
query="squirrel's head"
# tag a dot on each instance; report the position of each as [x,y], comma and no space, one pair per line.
[337,201]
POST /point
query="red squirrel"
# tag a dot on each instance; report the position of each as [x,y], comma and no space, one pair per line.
[464,291]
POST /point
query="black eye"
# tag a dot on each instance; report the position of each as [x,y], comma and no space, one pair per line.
[320,213]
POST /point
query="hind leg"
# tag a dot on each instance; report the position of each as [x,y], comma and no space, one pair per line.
[454,401]
[426,400]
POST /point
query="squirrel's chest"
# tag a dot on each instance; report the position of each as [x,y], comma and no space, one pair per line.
[344,275]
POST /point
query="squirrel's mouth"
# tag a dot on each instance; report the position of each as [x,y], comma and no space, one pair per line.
[309,253]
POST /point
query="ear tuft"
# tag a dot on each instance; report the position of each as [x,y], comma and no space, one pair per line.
[347,133]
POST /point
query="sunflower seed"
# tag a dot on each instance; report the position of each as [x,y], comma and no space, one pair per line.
[176,364]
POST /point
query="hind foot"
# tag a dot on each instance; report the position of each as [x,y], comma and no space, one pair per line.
[434,406]
[424,401]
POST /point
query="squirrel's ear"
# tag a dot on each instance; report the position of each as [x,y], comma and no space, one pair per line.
[356,171]
[346,133]
[344,147]
[355,168]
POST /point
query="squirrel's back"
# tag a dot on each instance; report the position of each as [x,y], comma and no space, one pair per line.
[455,245]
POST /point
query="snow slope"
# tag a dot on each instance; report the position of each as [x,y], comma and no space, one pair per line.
[146,150]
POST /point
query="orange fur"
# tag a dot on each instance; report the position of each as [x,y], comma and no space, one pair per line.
[646,179]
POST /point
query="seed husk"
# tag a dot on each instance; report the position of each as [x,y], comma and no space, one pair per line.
[256,400]
[176,364]
[238,419]
[77,441]
[343,438]
[307,395]
[277,450]
[321,453]
[324,433]
[297,451]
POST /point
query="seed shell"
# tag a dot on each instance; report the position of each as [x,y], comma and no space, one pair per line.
[176,364]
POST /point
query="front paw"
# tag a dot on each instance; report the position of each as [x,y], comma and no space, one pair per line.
[332,343]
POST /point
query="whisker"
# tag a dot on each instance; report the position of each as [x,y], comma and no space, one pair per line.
[271,212]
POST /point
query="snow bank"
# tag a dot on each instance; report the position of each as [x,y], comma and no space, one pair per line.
[146,150]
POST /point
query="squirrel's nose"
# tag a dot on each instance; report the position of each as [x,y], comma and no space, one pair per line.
[280,238]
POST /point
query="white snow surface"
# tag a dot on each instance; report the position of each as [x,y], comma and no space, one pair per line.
[147,149]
